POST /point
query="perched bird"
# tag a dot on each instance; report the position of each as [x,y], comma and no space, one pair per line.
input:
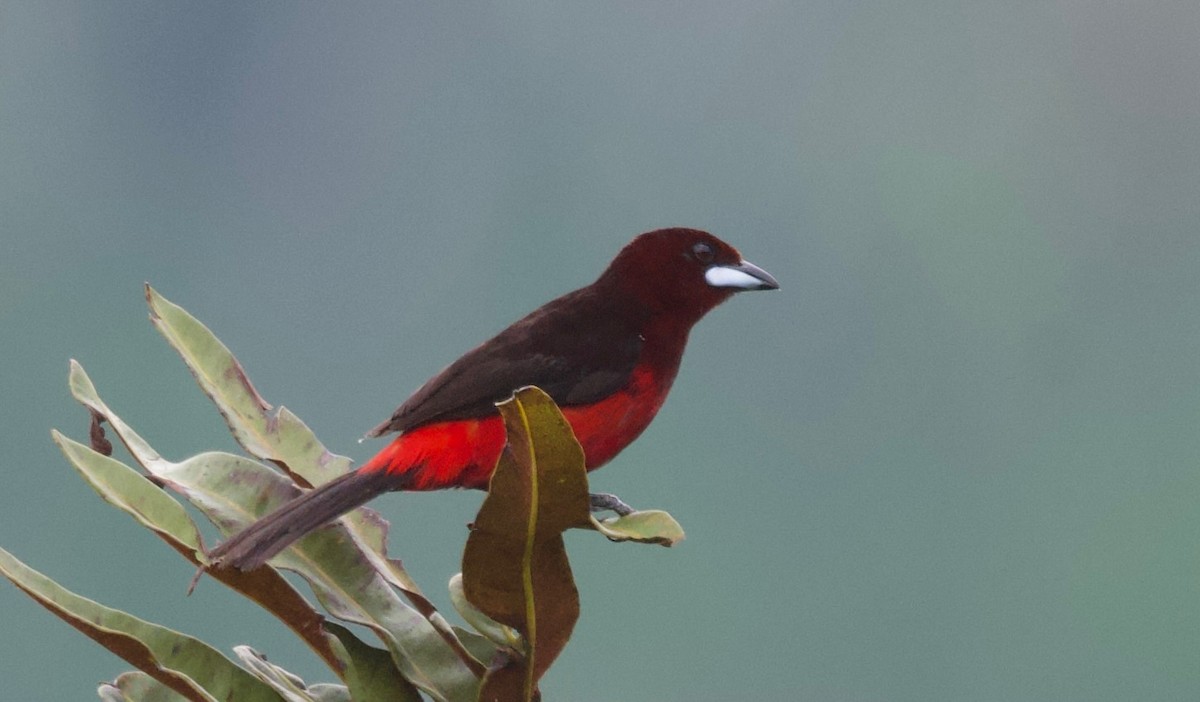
[606,353]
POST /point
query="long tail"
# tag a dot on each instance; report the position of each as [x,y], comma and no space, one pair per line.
[257,543]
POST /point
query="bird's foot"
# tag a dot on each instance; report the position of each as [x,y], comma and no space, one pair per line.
[602,501]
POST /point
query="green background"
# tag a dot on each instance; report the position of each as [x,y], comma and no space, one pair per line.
[956,457]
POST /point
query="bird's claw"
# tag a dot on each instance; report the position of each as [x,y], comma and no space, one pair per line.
[602,501]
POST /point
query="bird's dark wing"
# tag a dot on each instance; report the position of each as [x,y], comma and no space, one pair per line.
[574,348]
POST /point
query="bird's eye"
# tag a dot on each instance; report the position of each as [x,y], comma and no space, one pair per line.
[703,252]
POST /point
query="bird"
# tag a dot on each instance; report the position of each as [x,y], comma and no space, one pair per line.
[607,354]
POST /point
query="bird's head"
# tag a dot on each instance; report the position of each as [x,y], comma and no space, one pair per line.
[685,272]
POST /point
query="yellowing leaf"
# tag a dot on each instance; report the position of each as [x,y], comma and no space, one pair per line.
[652,526]
[515,568]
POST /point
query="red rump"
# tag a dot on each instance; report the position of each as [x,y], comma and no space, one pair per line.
[461,453]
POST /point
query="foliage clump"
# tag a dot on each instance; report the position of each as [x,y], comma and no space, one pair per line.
[516,591]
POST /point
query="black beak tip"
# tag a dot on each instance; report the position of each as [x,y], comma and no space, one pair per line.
[768,281]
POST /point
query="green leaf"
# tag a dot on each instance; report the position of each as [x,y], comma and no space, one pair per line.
[325,692]
[370,672]
[125,488]
[273,435]
[111,693]
[492,630]
[130,491]
[290,687]
[136,686]
[233,491]
[351,578]
[651,526]
[482,648]
[515,567]
[186,665]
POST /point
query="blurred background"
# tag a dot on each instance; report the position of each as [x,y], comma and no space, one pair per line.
[956,457]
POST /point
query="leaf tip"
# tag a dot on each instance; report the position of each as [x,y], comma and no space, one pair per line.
[75,374]
[152,298]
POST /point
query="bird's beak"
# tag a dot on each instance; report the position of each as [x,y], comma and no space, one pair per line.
[743,276]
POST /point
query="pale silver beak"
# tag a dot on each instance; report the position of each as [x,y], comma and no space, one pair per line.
[743,276]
